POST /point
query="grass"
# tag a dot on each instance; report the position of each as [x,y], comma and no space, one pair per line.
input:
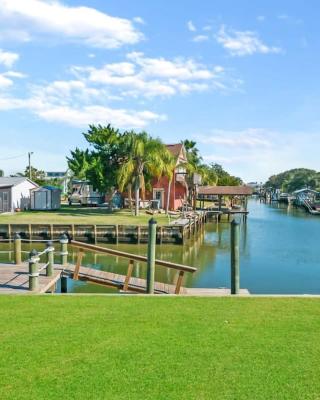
[91,347]
[80,215]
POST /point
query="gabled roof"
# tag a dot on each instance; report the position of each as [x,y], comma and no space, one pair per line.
[225,190]
[14,181]
[305,190]
[177,150]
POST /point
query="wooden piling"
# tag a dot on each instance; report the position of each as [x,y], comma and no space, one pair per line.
[64,249]
[17,249]
[64,284]
[50,258]
[152,235]
[33,271]
[235,257]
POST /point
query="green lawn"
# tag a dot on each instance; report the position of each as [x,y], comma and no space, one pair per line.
[91,347]
[80,215]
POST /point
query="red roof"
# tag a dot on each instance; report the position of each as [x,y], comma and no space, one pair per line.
[175,149]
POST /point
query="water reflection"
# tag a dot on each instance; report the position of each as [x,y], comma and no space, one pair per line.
[279,254]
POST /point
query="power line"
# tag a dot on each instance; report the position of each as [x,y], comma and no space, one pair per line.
[12,158]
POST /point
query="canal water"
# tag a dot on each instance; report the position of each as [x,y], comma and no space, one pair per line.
[280,254]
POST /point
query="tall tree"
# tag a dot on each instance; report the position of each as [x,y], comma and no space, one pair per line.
[146,156]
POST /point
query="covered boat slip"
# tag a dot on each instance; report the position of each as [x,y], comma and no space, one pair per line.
[227,200]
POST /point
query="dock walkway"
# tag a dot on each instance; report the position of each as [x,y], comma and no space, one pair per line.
[14,279]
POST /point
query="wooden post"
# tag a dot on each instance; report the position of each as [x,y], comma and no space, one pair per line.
[50,258]
[138,234]
[129,273]
[179,282]
[95,233]
[116,234]
[78,264]
[152,234]
[9,232]
[33,271]
[17,249]
[64,284]
[235,257]
[64,249]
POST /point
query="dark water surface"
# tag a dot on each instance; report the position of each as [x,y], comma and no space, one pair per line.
[280,253]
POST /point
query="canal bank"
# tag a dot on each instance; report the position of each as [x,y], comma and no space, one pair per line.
[279,254]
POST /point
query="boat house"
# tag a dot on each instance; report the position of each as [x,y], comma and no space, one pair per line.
[15,193]
[218,193]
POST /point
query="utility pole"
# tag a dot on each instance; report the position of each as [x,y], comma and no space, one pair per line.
[29,157]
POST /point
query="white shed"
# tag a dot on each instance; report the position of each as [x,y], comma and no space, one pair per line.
[46,198]
[15,193]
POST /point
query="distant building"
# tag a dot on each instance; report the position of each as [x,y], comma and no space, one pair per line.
[62,176]
[15,193]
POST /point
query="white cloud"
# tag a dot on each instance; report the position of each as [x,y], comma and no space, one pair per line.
[191,26]
[14,74]
[261,18]
[139,20]
[8,58]
[5,82]
[249,138]
[242,43]
[81,24]
[200,38]
[150,77]
[207,28]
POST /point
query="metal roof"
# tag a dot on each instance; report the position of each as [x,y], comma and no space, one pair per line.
[225,190]
[13,181]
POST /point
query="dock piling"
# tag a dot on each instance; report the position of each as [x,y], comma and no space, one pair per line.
[64,249]
[50,258]
[235,257]
[33,270]
[151,255]
[17,249]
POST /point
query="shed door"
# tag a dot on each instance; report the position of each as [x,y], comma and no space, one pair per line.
[4,202]
[40,200]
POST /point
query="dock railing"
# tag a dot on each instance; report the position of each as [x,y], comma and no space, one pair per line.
[132,258]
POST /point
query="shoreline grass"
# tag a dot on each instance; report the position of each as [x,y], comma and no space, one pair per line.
[81,215]
[94,347]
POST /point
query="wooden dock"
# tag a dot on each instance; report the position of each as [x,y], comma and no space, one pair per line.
[14,279]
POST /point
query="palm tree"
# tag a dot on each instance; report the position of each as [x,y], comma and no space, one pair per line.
[145,155]
[170,164]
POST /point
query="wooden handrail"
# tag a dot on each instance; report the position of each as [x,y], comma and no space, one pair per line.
[135,257]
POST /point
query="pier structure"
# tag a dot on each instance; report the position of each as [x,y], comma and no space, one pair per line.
[237,197]
[40,273]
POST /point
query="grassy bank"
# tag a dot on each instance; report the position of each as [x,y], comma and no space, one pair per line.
[80,215]
[159,348]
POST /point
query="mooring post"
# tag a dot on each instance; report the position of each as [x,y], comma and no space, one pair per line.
[235,257]
[50,258]
[151,255]
[33,270]
[17,249]
[64,284]
[64,249]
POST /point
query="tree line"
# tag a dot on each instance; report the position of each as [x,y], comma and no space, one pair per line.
[294,179]
[130,161]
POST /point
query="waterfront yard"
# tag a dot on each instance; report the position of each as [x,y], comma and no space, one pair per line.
[81,215]
[96,347]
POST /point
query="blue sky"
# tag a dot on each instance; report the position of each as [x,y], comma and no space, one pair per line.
[239,77]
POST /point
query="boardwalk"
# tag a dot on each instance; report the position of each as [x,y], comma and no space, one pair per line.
[14,279]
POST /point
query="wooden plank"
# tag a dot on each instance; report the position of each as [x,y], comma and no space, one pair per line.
[129,273]
[77,268]
[179,282]
[130,256]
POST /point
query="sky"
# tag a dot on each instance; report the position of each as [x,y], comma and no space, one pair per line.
[241,78]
